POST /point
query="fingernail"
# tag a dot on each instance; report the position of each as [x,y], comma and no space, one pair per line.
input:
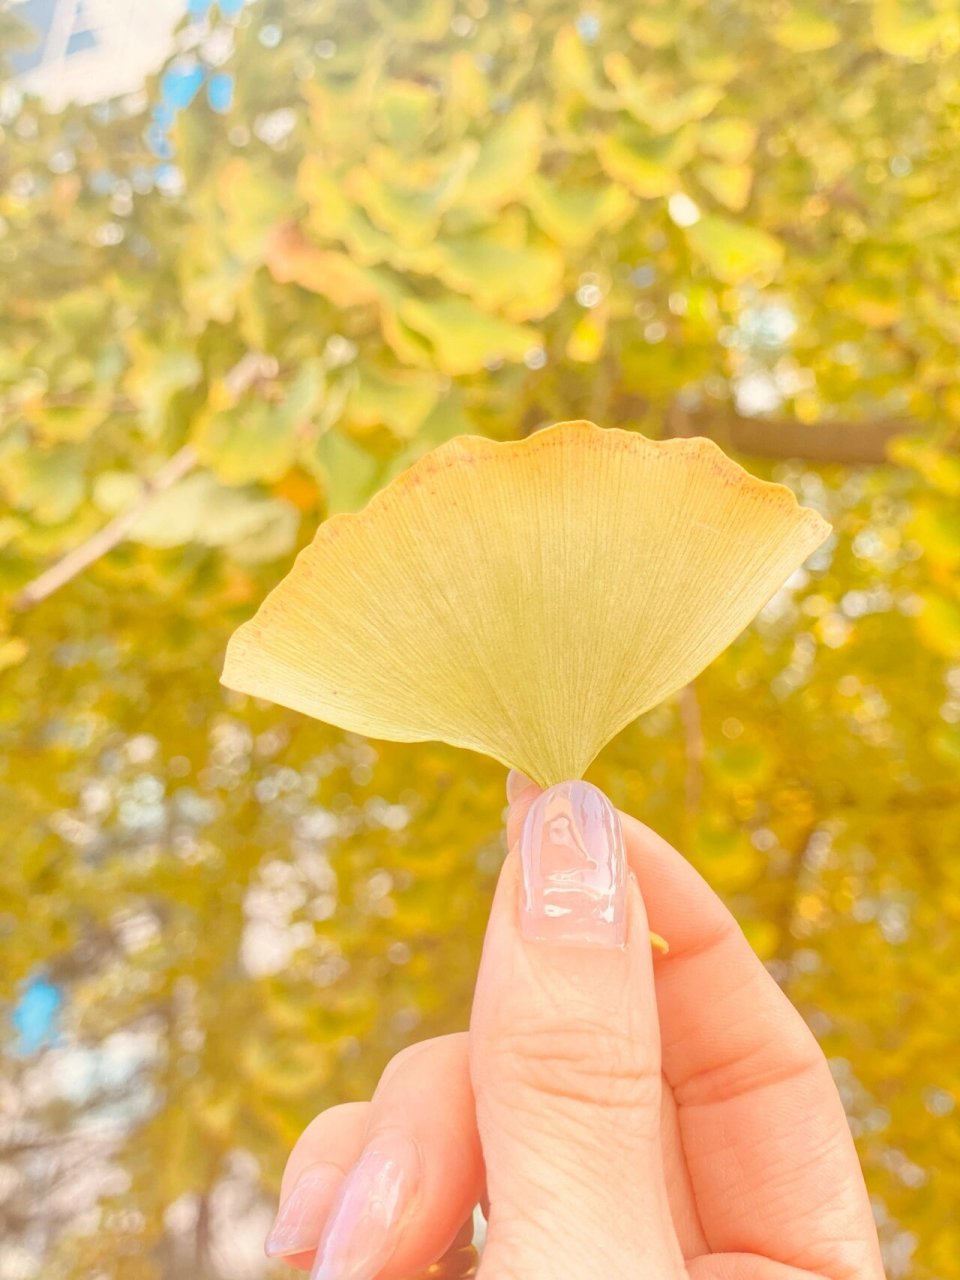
[574,868]
[300,1218]
[366,1219]
[517,782]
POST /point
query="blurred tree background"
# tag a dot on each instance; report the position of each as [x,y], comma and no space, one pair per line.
[330,235]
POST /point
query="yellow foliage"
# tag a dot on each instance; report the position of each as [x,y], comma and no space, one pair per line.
[421,220]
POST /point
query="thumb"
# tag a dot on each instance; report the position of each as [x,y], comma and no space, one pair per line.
[565,1053]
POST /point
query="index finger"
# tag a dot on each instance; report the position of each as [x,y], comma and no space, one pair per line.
[768,1147]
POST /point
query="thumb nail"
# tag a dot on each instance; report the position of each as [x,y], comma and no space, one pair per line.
[574,868]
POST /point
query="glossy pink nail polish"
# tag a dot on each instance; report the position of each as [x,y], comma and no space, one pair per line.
[574,868]
[366,1220]
[300,1218]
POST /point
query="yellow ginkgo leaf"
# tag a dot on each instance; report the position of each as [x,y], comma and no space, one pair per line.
[526,599]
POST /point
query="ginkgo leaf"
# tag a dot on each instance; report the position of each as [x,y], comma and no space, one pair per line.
[734,251]
[464,338]
[574,215]
[398,398]
[507,155]
[405,112]
[291,258]
[728,183]
[655,100]
[729,138]
[526,599]
[649,166]
[523,281]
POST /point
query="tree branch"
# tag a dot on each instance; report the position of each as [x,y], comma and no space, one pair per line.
[80,558]
[249,369]
[848,443]
[845,443]
[694,746]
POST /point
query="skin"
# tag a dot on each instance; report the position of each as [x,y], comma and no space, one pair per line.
[618,1112]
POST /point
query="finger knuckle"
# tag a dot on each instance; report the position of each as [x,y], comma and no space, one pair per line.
[580,1065]
[401,1062]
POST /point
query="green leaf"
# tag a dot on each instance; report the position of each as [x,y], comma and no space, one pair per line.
[573,214]
[48,483]
[733,251]
[463,338]
[249,442]
[323,192]
[271,535]
[409,346]
[509,153]
[305,394]
[397,399]
[200,509]
[522,282]
[648,166]
[729,184]
[655,100]
[80,314]
[258,440]
[349,473]
[446,420]
[66,423]
[249,207]
[410,214]
[156,374]
[405,112]
[573,70]
[731,139]
[292,259]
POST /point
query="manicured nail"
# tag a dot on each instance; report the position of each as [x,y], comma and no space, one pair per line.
[574,868]
[300,1218]
[517,782]
[365,1221]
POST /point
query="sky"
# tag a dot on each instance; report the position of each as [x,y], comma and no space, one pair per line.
[89,50]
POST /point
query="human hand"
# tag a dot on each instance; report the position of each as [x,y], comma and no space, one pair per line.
[618,1113]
